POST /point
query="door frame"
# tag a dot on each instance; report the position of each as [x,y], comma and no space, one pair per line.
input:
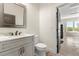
[57,27]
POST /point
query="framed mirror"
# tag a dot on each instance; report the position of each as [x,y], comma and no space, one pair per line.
[14,15]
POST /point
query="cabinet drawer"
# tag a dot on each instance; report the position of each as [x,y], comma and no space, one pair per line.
[10,44]
[28,51]
[15,43]
[26,40]
[11,52]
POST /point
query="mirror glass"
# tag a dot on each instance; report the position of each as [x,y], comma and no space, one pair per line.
[13,15]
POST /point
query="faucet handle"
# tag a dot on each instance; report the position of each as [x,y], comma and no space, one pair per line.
[20,33]
[11,34]
[16,32]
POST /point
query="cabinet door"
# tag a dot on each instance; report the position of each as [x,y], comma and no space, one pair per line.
[12,52]
[28,50]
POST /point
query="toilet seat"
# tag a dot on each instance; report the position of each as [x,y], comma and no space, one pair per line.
[40,45]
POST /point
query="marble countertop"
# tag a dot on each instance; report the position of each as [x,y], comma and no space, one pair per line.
[5,38]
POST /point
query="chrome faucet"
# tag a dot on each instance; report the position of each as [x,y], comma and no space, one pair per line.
[16,33]
[20,33]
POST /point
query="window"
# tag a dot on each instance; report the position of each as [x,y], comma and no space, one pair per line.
[69,25]
[76,26]
[72,25]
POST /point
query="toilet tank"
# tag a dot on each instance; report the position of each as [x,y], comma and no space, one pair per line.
[36,39]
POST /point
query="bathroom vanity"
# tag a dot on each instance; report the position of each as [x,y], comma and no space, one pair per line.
[13,15]
[22,45]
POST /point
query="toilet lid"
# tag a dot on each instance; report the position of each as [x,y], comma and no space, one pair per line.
[41,45]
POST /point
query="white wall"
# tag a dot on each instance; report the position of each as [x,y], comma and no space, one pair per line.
[48,25]
[41,20]
[32,18]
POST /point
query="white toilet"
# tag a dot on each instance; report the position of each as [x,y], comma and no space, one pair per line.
[40,48]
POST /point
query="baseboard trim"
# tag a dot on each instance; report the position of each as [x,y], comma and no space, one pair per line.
[52,50]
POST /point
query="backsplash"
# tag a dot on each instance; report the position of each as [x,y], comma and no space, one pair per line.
[5,31]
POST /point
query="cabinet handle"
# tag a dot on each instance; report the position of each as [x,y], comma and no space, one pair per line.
[20,51]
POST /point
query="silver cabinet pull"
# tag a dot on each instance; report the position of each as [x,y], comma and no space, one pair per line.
[20,52]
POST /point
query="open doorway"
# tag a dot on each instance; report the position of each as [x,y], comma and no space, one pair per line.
[68,29]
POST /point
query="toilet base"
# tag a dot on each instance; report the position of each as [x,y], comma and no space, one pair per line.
[40,53]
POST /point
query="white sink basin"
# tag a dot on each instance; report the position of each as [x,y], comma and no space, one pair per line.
[7,37]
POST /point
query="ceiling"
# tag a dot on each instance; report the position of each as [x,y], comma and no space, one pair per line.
[69,9]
